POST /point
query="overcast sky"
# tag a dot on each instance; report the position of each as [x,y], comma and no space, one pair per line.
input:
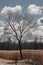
[33,7]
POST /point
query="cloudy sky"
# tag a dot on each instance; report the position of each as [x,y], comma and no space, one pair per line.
[23,8]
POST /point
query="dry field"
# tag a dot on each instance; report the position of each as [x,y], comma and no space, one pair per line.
[36,55]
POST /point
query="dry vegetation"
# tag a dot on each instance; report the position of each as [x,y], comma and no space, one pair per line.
[36,55]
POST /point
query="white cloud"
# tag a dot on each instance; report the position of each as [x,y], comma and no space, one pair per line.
[15,9]
[34,9]
[1,31]
[8,11]
[1,24]
[40,28]
[1,28]
[37,33]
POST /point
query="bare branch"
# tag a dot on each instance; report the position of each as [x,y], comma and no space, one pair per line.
[13,28]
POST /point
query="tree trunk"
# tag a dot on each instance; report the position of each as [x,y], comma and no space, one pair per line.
[20,50]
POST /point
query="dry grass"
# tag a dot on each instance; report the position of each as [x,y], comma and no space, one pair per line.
[36,55]
[6,61]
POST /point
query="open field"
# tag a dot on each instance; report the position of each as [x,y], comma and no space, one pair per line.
[11,56]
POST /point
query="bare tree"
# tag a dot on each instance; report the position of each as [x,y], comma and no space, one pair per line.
[20,25]
[20,29]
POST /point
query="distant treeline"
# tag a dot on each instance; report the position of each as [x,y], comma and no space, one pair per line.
[8,45]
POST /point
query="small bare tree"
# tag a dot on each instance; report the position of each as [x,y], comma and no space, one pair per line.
[20,25]
[20,29]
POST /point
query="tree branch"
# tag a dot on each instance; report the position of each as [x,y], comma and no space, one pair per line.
[13,28]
